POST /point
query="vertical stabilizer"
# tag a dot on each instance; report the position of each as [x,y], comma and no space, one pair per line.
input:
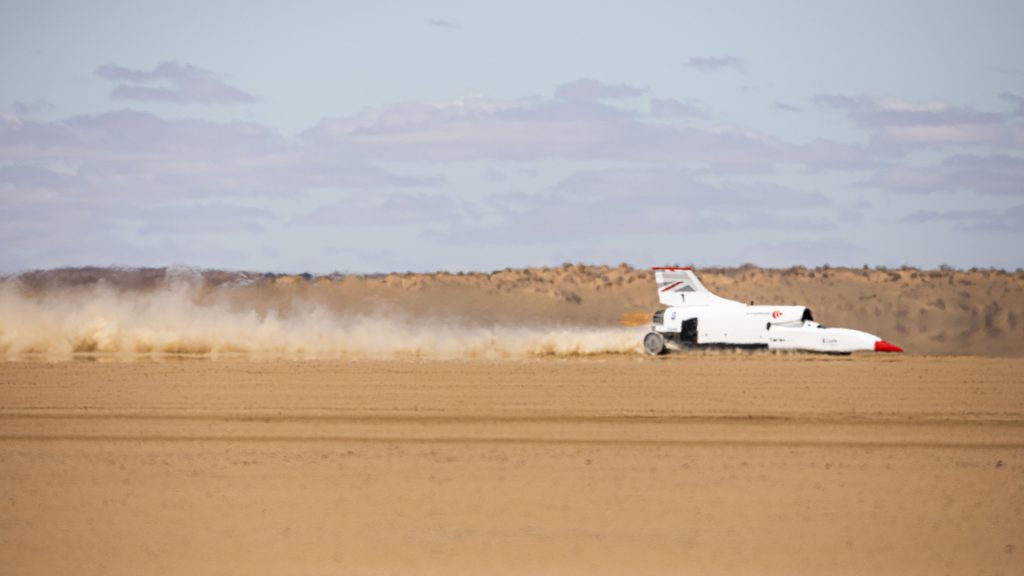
[681,287]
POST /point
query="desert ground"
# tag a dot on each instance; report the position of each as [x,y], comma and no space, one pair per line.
[180,421]
[607,464]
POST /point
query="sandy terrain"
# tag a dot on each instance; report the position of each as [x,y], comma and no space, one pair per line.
[610,464]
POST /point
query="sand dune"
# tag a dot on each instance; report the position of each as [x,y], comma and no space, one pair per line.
[573,309]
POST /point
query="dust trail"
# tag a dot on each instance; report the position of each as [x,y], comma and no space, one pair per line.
[182,316]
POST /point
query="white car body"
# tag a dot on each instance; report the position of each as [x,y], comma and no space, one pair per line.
[696,317]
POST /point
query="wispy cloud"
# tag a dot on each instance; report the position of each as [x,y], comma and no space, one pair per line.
[93,185]
[898,124]
[176,183]
[712,64]
[202,219]
[137,157]
[589,89]
[884,111]
[39,106]
[823,248]
[395,209]
[784,107]
[171,82]
[996,175]
[578,123]
[668,107]
[440,23]
[89,229]
[1017,100]
[1006,220]
[606,204]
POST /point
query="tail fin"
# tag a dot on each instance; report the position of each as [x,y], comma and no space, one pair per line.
[674,283]
[680,287]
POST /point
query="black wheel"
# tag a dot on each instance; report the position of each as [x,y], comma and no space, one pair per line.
[654,343]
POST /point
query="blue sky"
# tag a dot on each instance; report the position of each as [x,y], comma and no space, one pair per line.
[473,135]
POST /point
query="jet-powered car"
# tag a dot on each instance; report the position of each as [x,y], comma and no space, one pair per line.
[695,317]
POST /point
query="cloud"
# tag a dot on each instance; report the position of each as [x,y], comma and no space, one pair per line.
[603,204]
[713,64]
[589,90]
[783,107]
[203,219]
[999,175]
[871,111]
[40,106]
[129,187]
[898,124]
[27,177]
[667,107]
[126,177]
[129,154]
[24,138]
[385,209]
[581,128]
[820,249]
[995,175]
[822,155]
[439,23]
[1006,220]
[1017,100]
[171,82]
[39,231]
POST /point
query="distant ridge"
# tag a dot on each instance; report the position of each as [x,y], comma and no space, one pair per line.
[944,311]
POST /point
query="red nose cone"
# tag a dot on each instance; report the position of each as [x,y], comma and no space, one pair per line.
[883,346]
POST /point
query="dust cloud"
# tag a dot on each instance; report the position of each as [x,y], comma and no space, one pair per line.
[185,316]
